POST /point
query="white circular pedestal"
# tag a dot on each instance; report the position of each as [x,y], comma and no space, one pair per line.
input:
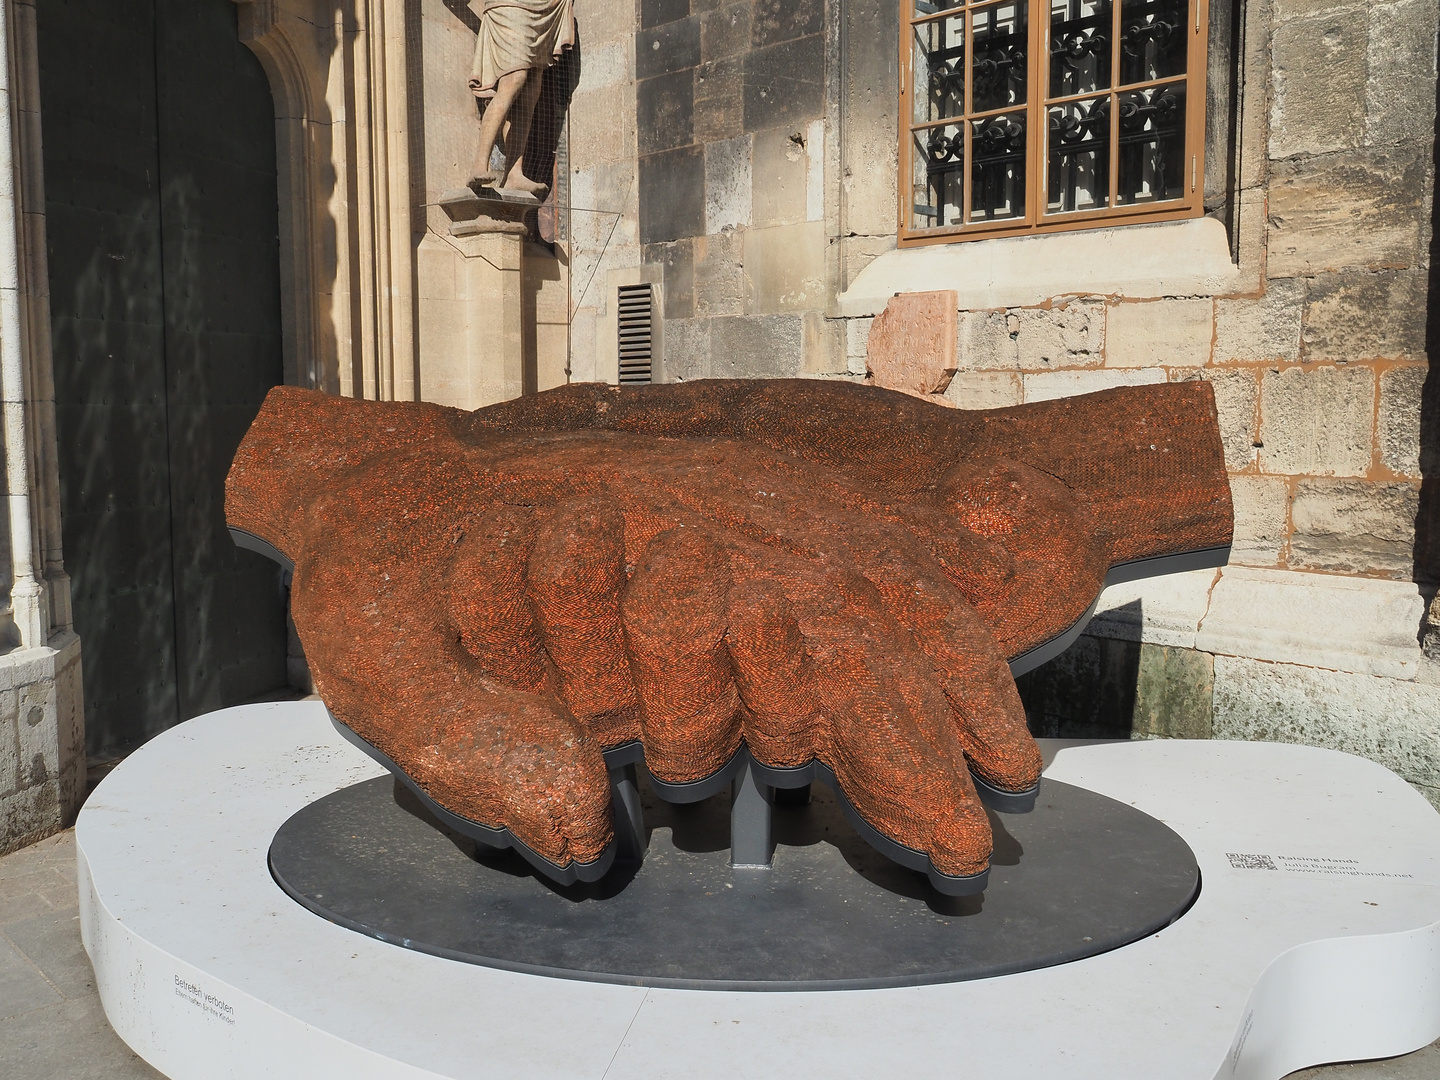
[1316,937]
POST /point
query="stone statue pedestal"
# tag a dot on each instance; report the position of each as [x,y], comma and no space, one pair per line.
[477,357]
[492,212]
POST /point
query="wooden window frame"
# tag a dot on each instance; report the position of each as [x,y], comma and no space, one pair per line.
[1036,108]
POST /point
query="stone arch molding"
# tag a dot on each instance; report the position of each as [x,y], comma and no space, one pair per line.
[337,71]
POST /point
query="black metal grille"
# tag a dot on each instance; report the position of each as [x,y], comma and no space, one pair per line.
[1108,129]
[636,308]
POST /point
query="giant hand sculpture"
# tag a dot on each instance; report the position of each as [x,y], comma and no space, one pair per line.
[818,572]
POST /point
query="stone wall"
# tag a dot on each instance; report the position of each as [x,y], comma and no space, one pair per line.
[1243,653]
[604,193]
[720,185]
[42,741]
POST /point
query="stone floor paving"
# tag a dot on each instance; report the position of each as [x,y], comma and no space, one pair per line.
[53,1028]
[51,1024]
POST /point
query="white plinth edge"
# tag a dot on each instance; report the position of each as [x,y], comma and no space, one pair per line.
[210,972]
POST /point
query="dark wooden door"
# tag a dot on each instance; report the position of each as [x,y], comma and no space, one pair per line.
[165,301]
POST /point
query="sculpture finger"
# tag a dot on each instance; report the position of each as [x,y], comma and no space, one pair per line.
[675,619]
[575,574]
[773,674]
[993,730]
[987,715]
[914,792]
[392,670]
[991,724]
[487,601]
[513,760]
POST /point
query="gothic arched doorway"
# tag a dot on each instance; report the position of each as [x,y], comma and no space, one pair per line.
[160,177]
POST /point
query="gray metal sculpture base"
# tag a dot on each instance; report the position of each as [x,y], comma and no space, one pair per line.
[1080,875]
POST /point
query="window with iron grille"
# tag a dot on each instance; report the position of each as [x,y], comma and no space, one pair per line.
[636,328]
[1030,116]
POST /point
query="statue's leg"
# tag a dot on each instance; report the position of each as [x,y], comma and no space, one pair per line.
[518,134]
[497,110]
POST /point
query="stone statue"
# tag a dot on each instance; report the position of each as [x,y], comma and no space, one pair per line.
[518,40]
[822,574]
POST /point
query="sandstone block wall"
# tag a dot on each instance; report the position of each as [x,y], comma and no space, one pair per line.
[1243,653]
[721,186]
[42,742]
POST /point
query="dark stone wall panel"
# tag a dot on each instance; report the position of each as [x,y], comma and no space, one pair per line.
[106,288]
[785,84]
[164,281]
[672,195]
[672,47]
[720,99]
[725,32]
[677,261]
[785,20]
[658,12]
[665,112]
[219,228]
[710,72]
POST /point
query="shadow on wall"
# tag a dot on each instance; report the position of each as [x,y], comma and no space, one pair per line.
[114,478]
[177,621]
[1108,688]
[461,10]
[1087,692]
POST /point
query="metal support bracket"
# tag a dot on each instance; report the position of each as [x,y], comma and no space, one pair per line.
[751,802]
[630,838]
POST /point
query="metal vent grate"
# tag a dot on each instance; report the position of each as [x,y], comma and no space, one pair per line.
[636,308]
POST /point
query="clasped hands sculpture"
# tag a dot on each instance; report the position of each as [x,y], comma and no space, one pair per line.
[815,572]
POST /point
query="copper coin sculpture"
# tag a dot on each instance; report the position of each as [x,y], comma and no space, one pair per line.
[810,572]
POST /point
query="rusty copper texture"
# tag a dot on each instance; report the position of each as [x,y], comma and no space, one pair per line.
[816,570]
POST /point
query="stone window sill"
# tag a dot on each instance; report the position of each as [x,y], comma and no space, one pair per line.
[1173,258]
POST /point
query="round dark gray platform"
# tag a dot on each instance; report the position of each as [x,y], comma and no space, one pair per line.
[1080,875]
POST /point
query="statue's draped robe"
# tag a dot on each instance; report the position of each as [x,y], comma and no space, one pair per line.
[516,35]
